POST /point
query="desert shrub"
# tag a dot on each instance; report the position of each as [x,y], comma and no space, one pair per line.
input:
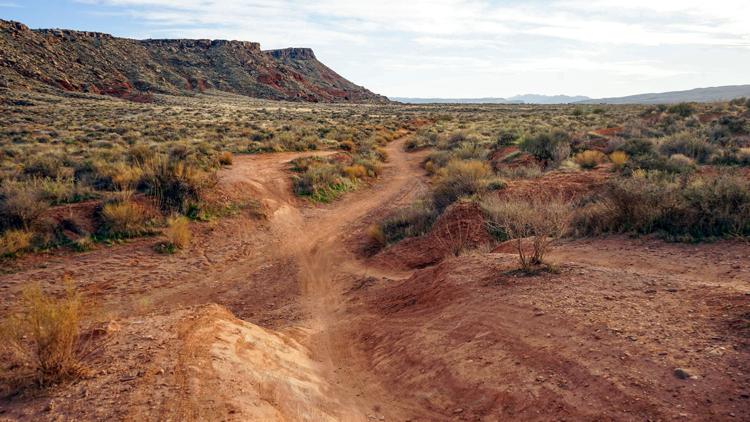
[40,343]
[712,207]
[62,190]
[226,158]
[458,179]
[124,177]
[688,145]
[14,241]
[636,146]
[123,219]
[548,146]
[412,221]
[507,137]
[589,159]
[421,139]
[619,158]
[83,244]
[20,205]
[682,109]
[178,234]
[356,171]
[322,182]
[682,160]
[439,159]
[542,218]
[685,208]
[46,165]
[654,162]
[520,172]
[348,146]
[177,186]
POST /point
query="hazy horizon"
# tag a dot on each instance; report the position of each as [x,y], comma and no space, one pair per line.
[454,48]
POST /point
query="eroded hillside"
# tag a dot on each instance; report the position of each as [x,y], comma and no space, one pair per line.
[100,63]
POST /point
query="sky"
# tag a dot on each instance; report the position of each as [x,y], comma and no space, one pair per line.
[454,48]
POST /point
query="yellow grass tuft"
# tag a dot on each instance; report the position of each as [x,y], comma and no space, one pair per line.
[356,171]
[39,344]
[619,158]
[589,159]
[178,232]
[14,241]
[124,219]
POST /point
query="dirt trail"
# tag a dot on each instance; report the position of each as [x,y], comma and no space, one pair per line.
[283,320]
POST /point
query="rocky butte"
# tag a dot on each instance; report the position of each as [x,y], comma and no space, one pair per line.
[43,59]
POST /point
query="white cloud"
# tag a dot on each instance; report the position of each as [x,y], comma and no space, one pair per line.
[632,40]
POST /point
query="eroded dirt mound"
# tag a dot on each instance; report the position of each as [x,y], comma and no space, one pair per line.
[567,184]
[461,227]
[470,341]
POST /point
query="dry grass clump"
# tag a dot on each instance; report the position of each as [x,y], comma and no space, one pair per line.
[123,219]
[542,218]
[13,242]
[618,158]
[178,233]
[226,158]
[589,159]
[40,344]
[460,178]
[176,185]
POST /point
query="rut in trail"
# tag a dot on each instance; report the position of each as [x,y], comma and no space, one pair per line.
[304,372]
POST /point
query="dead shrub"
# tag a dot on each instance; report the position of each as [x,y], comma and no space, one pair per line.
[542,218]
[41,343]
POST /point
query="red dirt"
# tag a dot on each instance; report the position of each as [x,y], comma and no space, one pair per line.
[568,184]
[610,131]
[281,320]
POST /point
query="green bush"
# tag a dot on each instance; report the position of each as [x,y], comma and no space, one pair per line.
[548,146]
[415,220]
[680,208]
[682,109]
[689,145]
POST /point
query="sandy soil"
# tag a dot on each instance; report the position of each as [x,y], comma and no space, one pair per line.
[283,319]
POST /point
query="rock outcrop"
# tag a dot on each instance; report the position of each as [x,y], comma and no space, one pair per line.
[135,69]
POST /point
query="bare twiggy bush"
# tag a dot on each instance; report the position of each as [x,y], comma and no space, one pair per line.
[40,344]
[543,218]
[457,237]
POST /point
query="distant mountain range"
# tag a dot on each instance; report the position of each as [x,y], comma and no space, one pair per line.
[518,99]
[698,95]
